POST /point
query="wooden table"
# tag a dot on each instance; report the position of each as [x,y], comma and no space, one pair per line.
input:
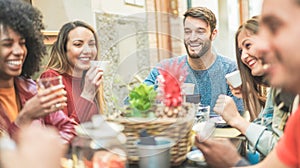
[235,137]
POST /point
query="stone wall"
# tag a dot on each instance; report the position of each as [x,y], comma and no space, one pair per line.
[124,42]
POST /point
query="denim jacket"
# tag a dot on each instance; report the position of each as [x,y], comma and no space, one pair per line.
[264,133]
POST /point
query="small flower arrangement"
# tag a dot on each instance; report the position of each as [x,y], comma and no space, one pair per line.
[142,98]
[173,75]
[171,79]
[173,117]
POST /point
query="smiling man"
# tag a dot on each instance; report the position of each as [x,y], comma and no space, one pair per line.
[280,36]
[206,69]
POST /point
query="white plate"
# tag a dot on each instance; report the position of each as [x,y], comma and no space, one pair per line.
[115,126]
[105,130]
[196,156]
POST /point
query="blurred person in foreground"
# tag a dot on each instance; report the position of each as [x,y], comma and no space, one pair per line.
[264,132]
[278,46]
[206,69]
[22,49]
[45,151]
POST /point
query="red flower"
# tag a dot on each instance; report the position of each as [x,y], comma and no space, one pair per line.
[173,74]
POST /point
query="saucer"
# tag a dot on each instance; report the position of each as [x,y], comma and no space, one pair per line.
[197,157]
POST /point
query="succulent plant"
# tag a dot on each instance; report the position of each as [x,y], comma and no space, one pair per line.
[173,74]
[142,97]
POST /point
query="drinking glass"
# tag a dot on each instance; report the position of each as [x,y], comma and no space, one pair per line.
[45,83]
[202,113]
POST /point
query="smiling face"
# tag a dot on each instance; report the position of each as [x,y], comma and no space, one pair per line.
[13,53]
[248,53]
[280,38]
[81,48]
[197,37]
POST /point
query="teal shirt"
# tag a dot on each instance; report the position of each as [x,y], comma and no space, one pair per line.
[209,83]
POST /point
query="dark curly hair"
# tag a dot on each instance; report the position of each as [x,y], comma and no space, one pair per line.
[26,20]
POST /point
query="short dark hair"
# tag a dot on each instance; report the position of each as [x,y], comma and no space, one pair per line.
[26,20]
[204,14]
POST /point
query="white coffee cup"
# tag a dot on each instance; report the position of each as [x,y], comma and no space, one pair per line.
[188,88]
[100,64]
[97,120]
[234,78]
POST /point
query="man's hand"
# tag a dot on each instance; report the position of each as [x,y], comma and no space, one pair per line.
[219,152]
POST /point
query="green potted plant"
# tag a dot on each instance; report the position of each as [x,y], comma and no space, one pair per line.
[173,117]
[141,99]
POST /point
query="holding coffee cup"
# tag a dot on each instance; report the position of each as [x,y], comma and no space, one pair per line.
[100,64]
[234,78]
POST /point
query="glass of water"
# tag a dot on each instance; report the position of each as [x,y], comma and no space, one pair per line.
[202,113]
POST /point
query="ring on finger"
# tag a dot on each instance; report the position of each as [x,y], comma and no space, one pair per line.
[58,105]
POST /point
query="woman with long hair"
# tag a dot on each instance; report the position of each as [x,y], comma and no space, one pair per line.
[76,46]
[251,70]
[268,113]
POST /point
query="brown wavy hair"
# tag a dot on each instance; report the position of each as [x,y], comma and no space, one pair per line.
[254,88]
[58,56]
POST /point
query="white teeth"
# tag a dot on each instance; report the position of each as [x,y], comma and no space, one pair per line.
[266,66]
[15,62]
[84,58]
[194,45]
[251,62]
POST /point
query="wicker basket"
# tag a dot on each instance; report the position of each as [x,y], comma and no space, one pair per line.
[179,129]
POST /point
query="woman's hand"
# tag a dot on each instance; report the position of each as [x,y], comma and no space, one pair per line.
[237,92]
[93,80]
[225,106]
[44,102]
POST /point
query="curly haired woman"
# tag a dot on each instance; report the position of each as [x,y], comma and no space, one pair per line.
[22,49]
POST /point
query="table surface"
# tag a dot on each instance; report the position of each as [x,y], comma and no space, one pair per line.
[238,140]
